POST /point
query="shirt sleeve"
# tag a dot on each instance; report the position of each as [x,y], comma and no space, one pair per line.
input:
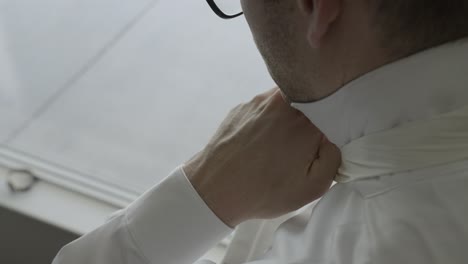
[169,224]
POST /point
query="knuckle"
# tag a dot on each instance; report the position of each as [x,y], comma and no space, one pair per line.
[278,98]
[276,103]
[271,92]
[332,157]
[236,108]
[334,151]
[259,98]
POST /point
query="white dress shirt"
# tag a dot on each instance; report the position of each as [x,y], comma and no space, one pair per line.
[383,210]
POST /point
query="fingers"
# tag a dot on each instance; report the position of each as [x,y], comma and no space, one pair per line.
[276,93]
[264,98]
[324,169]
[285,98]
[273,94]
[279,101]
[271,91]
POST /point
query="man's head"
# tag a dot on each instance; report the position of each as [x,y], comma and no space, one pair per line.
[313,47]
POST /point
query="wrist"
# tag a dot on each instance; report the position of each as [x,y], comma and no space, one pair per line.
[203,179]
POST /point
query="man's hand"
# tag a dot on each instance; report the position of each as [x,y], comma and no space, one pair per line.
[266,159]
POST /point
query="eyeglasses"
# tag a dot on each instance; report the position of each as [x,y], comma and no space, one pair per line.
[226,9]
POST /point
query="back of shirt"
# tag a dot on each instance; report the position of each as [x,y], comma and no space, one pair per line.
[412,217]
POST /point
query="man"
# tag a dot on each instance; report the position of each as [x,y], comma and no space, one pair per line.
[384,81]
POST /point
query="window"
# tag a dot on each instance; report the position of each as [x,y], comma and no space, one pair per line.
[106,97]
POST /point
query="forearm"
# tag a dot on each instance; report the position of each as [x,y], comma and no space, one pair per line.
[168,224]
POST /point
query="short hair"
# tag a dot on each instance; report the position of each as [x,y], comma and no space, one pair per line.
[409,26]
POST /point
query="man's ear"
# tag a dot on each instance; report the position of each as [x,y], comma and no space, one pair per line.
[320,15]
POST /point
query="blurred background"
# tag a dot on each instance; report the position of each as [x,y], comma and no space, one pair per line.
[102,99]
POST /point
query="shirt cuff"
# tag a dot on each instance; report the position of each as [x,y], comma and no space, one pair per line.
[173,214]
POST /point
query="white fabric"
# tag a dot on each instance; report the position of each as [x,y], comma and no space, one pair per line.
[384,210]
[168,224]
[253,238]
[420,144]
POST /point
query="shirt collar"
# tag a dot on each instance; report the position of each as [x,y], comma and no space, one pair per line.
[417,87]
